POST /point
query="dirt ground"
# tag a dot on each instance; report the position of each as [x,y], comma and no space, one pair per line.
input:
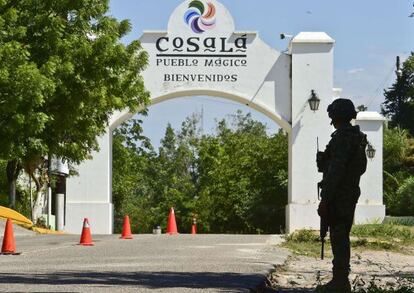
[301,274]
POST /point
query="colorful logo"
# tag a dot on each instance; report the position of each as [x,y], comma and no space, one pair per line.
[200,16]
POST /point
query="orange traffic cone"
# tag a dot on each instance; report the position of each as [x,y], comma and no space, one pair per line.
[9,244]
[194,227]
[86,238]
[126,229]
[172,225]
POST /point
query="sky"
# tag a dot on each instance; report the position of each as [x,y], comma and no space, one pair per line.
[369,35]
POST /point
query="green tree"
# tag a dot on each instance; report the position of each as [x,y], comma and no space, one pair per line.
[147,184]
[177,175]
[362,108]
[132,187]
[63,73]
[398,168]
[234,181]
[3,184]
[399,99]
[412,14]
[243,178]
[405,198]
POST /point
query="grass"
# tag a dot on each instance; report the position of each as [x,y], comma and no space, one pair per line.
[384,231]
[307,243]
[388,237]
[402,221]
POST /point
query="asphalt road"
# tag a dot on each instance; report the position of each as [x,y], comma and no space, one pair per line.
[163,263]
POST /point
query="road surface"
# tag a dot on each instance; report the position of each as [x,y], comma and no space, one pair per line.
[148,263]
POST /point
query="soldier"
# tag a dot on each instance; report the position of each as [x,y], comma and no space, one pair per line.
[342,164]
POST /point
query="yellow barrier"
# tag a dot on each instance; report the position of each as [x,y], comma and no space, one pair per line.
[19,219]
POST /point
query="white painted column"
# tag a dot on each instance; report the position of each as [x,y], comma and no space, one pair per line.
[89,195]
[370,208]
[312,69]
[59,211]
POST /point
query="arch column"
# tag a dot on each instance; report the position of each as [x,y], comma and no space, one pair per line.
[89,195]
[312,69]
[370,208]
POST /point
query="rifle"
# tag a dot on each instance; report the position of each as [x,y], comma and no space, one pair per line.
[323,231]
[324,226]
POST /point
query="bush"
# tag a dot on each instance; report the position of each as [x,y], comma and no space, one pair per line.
[402,221]
[405,197]
[398,169]
[23,201]
[41,223]
[303,236]
[305,242]
[383,231]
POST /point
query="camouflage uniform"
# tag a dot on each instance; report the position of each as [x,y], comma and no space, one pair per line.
[342,163]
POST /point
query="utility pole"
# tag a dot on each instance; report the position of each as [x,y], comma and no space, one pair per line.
[398,72]
[49,190]
[60,169]
[60,202]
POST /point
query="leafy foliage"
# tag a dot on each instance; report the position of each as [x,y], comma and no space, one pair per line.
[398,171]
[3,184]
[384,231]
[63,73]
[303,236]
[233,182]
[398,142]
[405,197]
[399,99]
[402,221]
[243,178]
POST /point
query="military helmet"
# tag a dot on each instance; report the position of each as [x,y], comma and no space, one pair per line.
[342,109]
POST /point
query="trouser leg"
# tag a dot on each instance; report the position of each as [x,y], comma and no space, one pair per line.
[341,249]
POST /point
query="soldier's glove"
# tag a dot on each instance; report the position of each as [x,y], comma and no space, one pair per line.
[320,161]
[323,209]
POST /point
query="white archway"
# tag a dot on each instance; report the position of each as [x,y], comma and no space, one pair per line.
[216,60]
[120,118]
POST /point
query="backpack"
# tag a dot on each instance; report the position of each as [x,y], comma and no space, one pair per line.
[358,163]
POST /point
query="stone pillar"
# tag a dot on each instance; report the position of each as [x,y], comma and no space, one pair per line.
[370,207]
[89,195]
[312,69]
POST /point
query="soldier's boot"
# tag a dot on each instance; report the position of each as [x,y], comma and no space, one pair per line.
[339,284]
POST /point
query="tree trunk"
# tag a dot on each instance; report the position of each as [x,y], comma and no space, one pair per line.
[13,170]
[40,204]
[12,193]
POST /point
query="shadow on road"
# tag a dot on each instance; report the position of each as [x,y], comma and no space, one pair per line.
[150,280]
[228,282]
[282,290]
